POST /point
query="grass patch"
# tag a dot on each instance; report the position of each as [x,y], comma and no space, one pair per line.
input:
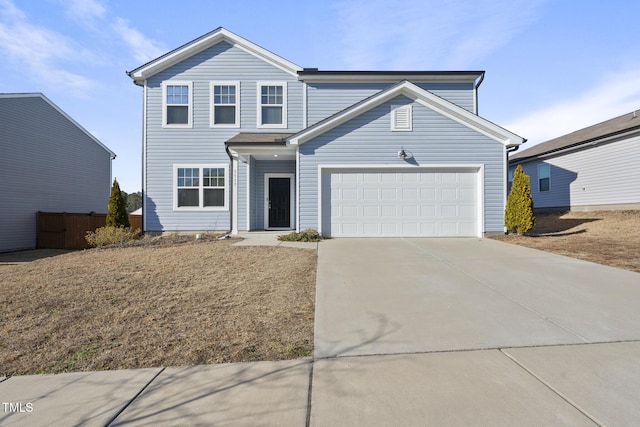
[166,302]
[605,237]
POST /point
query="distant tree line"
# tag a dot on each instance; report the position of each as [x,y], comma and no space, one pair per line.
[133,200]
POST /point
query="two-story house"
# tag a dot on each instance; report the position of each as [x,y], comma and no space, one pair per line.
[237,138]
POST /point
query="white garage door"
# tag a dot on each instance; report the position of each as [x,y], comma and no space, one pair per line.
[401,203]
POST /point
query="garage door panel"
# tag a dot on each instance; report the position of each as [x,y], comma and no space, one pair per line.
[387,194]
[389,211]
[389,202]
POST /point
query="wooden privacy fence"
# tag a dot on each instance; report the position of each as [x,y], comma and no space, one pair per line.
[65,230]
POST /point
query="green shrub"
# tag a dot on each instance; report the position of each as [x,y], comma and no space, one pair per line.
[117,215]
[105,236]
[518,214]
[307,235]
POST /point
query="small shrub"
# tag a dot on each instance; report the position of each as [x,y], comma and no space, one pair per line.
[105,236]
[117,209]
[518,214]
[307,235]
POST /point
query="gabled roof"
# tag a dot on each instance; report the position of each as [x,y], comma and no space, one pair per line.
[419,95]
[59,110]
[589,135]
[204,42]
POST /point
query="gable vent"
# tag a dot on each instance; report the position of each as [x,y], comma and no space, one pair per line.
[401,119]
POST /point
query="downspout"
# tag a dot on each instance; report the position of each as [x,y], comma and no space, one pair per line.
[477,85]
[231,207]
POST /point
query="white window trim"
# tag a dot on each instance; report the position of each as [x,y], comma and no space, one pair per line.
[259,104]
[394,111]
[200,166]
[549,177]
[166,83]
[212,105]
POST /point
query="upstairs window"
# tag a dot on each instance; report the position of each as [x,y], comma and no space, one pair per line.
[272,104]
[200,187]
[176,104]
[544,177]
[225,111]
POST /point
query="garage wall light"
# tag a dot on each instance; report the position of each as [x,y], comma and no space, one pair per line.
[402,154]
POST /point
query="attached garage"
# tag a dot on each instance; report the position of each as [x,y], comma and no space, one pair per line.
[401,202]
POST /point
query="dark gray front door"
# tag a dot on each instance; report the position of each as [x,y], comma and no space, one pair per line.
[279,202]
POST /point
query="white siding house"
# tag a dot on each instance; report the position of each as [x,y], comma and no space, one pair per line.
[590,169]
[48,163]
[237,138]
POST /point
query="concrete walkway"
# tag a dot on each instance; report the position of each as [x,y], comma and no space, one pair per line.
[270,238]
[408,332]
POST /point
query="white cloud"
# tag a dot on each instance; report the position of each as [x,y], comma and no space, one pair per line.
[142,48]
[87,13]
[39,51]
[434,34]
[613,96]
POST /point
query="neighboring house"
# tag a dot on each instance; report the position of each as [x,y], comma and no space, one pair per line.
[237,138]
[592,168]
[48,162]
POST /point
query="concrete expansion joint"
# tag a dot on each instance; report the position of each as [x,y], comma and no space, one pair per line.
[552,389]
[124,408]
[309,394]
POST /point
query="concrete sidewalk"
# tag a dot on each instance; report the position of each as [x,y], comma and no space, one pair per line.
[408,332]
[580,385]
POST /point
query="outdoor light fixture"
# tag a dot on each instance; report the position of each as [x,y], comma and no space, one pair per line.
[402,154]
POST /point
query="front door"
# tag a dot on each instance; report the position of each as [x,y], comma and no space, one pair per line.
[279,202]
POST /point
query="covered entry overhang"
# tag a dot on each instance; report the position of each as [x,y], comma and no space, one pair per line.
[261,146]
[263,195]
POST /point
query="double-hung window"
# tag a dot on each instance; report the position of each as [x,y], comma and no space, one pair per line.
[272,104]
[177,104]
[544,177]
[225,111]
[200,187]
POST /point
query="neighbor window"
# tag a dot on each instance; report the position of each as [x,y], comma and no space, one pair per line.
[177,104]
[544,177]
[224,104]
[272,104]
[200,187]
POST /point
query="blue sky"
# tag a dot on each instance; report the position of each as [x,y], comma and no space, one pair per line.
[551,66]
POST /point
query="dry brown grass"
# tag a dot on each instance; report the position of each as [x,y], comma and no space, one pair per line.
[172,304]
[605,237]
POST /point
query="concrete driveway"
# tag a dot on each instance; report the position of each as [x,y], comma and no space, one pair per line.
[388,296]
[472,332]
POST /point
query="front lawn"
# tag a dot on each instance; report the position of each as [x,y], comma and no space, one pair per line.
[169,304]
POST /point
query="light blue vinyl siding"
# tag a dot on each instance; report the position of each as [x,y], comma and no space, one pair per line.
[202,144]
[435,140]
[326,99]
[602,175]
[268,166]
[47,164]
